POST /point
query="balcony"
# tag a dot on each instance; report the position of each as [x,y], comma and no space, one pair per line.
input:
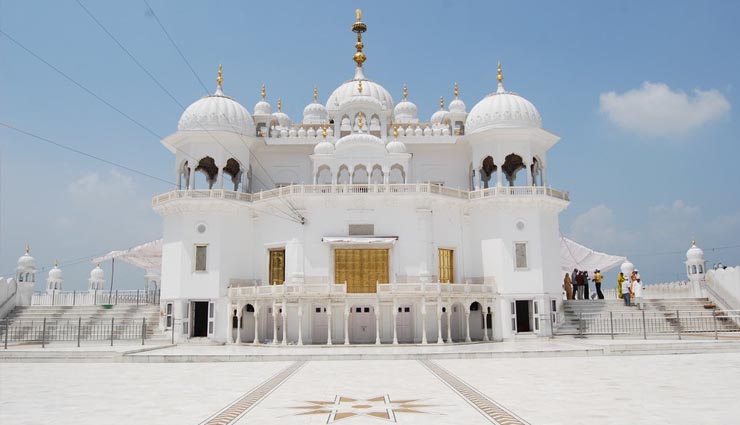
[365,189]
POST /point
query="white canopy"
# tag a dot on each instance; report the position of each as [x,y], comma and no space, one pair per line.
[573,255]
[576,256]
[147,256]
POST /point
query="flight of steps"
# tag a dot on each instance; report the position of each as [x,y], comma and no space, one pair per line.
[667,306]
[27,320]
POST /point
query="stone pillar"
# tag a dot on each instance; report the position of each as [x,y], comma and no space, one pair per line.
[256,326]
[439,323]
[219,184]
[485,324]
[294,262]
[499,175]
[230,333]
[395,332]
[528,169]
[423,321]
[467,325]
[300,323]
[239,315]
[191,178]
[274,323]
[328,326]
[449,326]
[285,323]
[346,326]
[377,325]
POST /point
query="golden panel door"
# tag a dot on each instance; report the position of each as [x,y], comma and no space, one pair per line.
[277,266]
[361,268]
[446,265]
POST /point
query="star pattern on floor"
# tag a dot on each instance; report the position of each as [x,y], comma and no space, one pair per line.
[343,407]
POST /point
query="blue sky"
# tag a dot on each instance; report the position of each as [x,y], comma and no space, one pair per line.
[643,94]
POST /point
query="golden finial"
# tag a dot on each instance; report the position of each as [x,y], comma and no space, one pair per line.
[456,91]
[693,241]
[360,121]
[220,78]
[28,249]
[359,86]
[323,131]
[56,263]
[441,102]
[263,93]
[280,105]
[315,94]
[405,92]
[395,130]
[500,73]
[97,264]
[359,27]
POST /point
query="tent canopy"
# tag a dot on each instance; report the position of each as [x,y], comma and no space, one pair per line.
[147,256]
[576,256]
[573,255]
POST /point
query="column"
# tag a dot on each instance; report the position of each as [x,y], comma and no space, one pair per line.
[230,339]
[467,325]
[328,326]
[285,323]
[219,178]
[423,321]
[346,326]
[449,325]
[191,178]
[542,176]
[377,325]
[395,333]
[239,323]
[528,173]
[274,323]
[499,175]
[439,323]
[256,326]
[386,175]
[485,324]
[300,323]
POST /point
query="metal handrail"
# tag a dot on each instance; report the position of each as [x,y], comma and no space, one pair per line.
[74,329]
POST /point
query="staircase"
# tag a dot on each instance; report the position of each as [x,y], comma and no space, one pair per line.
[661,314]
[25,322]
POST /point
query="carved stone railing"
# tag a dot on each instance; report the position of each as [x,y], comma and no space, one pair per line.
[363,189]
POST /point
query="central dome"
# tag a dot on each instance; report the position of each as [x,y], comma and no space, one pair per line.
[217,112]
[350,89]
[502,109]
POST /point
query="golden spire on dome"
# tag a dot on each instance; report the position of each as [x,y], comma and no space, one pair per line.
[456,91]
[28,249]
[500,72]
[359,27]
[56,263]
[441,102]
[395,130]
[405,92]
[263,92]
[315,93]
[220,78]
[323,131]
[693,241]
[280,105]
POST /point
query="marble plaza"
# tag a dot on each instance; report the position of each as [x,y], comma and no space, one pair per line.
[659,389]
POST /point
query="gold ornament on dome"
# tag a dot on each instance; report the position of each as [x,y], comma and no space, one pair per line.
[315,93]
[220,78]
[500,73]
[359,27]
[395,130]
[441,102]
[405,92]
[456,91]
[263,93]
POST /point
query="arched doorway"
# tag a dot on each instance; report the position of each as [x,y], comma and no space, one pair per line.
[405,324]
[457,322]
[476,321]
[246,327]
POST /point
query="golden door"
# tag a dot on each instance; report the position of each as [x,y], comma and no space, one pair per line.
[361,268]
[446,266]
[277,266]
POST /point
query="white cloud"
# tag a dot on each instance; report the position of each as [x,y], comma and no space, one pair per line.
[92,187]
[596,227]
[656,110]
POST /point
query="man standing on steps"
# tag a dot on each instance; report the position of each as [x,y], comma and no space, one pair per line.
[626,292]
[597,282]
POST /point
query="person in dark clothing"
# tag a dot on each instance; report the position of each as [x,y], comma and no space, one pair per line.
[586,287]
[579,284]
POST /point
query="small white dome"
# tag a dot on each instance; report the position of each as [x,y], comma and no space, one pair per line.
[457,105]
[55,273]
[627,268]
[282,118]
[358,139]
[349,89]
[217,112]
[502,110]
[315,113]
[26,262]
[262,108]
[323,148]
[396,147]
[439,117]
[406,112]
[695,253]
[97,273]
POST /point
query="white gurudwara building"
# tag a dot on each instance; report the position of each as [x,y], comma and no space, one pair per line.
[360,223]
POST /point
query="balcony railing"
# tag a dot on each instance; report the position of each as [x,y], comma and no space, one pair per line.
[323,289]
[72,298]
[355,189]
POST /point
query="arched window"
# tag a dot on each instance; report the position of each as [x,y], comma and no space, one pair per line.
[184,177]
[701,268]
[343,175]
[359,175]
[396,175]
[487,173]
[511,168]
[376,177]
[207,168]
[234,170]
[693,269]
[323,176]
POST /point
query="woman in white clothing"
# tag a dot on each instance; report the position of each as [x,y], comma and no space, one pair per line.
[637,290]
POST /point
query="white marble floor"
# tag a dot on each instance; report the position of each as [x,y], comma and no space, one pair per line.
[664,389]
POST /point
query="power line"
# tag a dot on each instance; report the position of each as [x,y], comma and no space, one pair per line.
[79,152]
[156,18]
[70,79]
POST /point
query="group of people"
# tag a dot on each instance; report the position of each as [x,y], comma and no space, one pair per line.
[576,285]
[630,291]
